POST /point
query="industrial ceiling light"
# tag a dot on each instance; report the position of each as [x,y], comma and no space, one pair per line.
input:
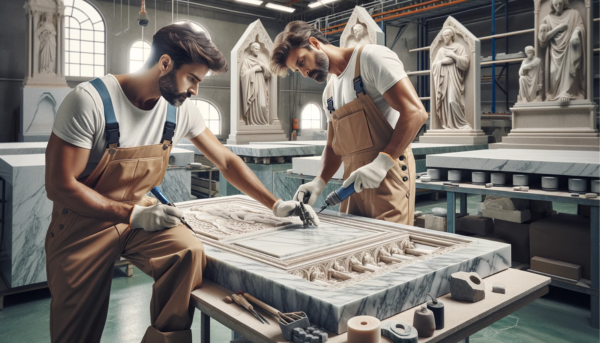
[281,8]
[320,3]
[251,2]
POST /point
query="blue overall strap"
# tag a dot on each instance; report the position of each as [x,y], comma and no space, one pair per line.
[170,124]
[358,82]
[330,105]
[112,126]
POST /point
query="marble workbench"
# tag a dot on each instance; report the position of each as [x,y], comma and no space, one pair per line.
[271,263]
[23,260]
[542,162]
[23,148]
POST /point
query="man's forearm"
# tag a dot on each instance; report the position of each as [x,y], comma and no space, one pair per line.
[330,164]
[87,202]
[242,178]
[406,130]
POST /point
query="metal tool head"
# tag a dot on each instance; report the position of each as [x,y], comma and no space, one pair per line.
[322,209]
[304,215]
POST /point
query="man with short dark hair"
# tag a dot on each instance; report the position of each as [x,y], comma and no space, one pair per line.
[110,145]
[374,114]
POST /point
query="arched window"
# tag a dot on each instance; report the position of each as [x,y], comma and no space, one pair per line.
[138,54]
[84,40]
[211,115]
[196,26]
[311,117]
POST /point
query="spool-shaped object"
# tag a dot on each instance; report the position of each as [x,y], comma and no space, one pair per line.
[596,186]
[425,178]
[479,178]
[437,307]
[454,175]
[577,185]
[498,179]
[364,329]
[434,174]
[424,322]
[549,183]
[520,180]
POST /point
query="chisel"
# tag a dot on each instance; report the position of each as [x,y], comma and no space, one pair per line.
[163,200]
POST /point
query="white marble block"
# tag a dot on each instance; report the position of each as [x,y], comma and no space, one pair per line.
[38,112]
[28,215]
[256,45]
[361,29]
[311,166]
[23,148]
[455,87]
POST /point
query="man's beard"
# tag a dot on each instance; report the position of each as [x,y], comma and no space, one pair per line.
[320,73]
[169,90]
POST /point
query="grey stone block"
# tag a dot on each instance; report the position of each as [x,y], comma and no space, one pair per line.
[509,216]
[499,288]
[440,211]
[467,287]
[476,225]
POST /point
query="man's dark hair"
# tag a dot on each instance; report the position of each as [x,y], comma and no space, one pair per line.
[295,35]
[185,45]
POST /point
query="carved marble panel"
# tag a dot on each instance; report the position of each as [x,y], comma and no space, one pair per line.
[361,29]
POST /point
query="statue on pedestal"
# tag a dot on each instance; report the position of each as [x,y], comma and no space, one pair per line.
[47,37]
[448,73]
[531,77]
[255,75]
[562,33]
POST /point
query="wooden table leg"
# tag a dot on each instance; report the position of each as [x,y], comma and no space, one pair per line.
[595,238]
[204,328]
[451,216]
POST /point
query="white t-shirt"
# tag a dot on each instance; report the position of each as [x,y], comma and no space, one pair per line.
[80,120]
[380,69]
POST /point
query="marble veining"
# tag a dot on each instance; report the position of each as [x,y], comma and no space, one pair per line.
[546,162]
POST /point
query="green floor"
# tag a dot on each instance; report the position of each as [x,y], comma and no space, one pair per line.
[560,316]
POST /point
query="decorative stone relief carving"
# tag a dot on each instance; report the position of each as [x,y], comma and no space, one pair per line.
[255,78]
[361,29]
[531,77]
[47,36]
[562,36]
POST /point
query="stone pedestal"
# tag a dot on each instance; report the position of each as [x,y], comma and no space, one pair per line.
[553,125]
[256,133]
[38,111]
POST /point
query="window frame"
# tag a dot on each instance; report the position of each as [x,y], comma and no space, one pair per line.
[131,47]
[105,57]
[206,119]
[320,128]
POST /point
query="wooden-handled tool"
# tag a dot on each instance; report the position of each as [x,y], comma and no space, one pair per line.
[284,318]
[238,299]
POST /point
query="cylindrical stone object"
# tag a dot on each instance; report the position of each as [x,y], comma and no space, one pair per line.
[549,183]
[425,178]
[454,175]
[434,174]
[577,185]
[498,179]
[520,180]
[438,313]
[364,329]
[596,186]
[479,178]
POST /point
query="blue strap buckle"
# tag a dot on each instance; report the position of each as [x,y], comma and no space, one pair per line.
[330,105]
[112,134]
[168,131]
[358,86]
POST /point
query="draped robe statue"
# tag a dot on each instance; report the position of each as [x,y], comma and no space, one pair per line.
[562,33]
[531,77]
[255,92]
[448,71]
[47,36]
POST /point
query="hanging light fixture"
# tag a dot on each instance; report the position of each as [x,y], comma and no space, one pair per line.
[319,3]
[143,19]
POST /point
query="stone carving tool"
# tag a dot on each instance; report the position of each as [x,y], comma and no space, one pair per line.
[336,197]
[240,300]
[287,321]
[305,216]
[163,200]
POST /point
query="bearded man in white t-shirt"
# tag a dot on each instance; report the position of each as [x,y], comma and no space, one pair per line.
[109,146]
[373,116]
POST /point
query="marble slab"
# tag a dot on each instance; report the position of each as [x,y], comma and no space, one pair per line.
[544,162]
[23,148]
[319,145]
[28,215]
[273,150]
[382,295]
[264,172]
[311,166]
[438,148]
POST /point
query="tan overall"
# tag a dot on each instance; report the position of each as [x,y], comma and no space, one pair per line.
[81,252]
[360,133]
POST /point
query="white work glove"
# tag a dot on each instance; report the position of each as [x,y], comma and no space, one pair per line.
[155,218]
[312,190]
[370,175]
[292,208]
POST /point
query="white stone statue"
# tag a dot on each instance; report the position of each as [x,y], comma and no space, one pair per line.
[448,72]
[255,75]
[47,37]
[562,34]
[531,77]
[359,36]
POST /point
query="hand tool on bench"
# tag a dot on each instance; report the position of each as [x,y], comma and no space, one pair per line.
[163,200]
[287,321]
[240,300]
[338,196]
